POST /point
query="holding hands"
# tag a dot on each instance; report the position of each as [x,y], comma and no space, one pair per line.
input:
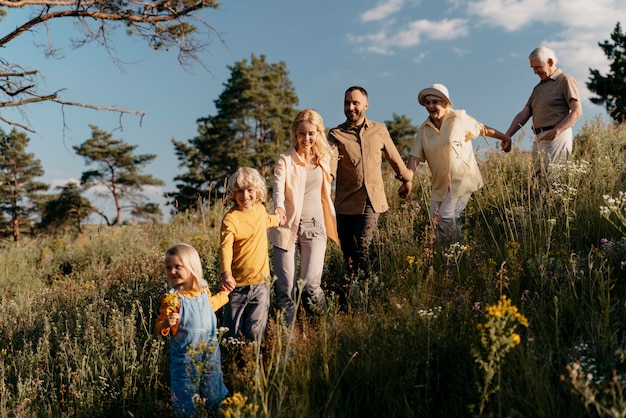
[282,216]
[228,282]
[506,144]
[405,190]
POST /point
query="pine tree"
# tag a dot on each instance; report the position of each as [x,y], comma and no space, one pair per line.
[250,128]
[18,187]
[611,89]
[65,211]
[118,170]
[402,132]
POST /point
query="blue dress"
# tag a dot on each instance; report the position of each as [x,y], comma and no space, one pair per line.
[195,363]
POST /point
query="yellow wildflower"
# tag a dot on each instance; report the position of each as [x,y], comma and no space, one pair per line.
[171,301]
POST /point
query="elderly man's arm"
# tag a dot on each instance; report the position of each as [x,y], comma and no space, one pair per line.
[519,120]
[575,112]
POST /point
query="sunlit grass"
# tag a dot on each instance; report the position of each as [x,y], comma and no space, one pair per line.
[78,313]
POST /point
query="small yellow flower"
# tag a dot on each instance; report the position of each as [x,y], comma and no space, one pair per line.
[410,259]
[171,300]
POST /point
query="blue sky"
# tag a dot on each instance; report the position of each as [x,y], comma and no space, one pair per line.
[394,48]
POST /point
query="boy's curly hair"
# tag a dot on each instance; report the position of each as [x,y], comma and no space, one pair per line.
[246,178]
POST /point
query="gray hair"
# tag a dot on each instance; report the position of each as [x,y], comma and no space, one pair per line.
[544,54]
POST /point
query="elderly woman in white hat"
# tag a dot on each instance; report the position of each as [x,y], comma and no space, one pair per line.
[444,142]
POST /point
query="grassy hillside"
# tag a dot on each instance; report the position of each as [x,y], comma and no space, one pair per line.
[525,317]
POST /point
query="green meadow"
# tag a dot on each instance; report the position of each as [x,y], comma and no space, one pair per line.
[525,317]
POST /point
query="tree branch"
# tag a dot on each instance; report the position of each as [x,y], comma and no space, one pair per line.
[10,122]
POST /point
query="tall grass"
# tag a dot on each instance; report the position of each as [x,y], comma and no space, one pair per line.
[77,313]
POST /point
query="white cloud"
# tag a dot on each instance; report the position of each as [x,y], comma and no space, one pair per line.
[575,28]
[420,57]
[575,22]
[382,10]
[443,29]
[578,27]
[62,182]
[461,52]
[512,15]
[412,34]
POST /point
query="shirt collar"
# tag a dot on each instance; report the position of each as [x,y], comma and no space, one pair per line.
[347,127]
[552,77]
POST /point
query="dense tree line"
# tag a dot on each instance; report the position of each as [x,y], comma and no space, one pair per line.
[117,174]
[250,128]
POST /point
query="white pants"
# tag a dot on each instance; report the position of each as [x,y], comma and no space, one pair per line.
[311,244]
[445,216]
[545,153]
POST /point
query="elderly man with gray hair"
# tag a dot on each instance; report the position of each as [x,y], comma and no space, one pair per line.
[554,106]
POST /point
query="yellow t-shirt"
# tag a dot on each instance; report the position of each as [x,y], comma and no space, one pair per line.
[244,248]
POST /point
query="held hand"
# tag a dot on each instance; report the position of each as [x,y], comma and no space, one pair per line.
[506,144]
[228,282]
[405,190]
[282,216]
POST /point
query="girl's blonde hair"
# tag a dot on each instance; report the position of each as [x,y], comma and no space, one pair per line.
[321,148]
[190,259]
[246,178]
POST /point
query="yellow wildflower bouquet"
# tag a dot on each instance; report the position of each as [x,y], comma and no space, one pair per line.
[171,301]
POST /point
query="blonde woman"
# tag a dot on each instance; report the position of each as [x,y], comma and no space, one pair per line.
[302,201]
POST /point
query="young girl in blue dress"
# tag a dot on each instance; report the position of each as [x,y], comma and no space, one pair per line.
[187,317]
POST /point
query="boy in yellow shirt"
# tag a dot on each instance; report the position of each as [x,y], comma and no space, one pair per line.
[244,258]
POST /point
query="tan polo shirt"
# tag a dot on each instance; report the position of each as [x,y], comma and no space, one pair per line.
[549,101]
[359,166]
[450,154]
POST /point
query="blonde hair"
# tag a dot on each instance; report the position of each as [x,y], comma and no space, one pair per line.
[246,178]
[321,148]
[190,259]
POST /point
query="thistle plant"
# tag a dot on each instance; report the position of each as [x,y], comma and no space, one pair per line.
[498,336]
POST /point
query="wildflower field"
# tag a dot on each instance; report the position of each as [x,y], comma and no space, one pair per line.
[526,317]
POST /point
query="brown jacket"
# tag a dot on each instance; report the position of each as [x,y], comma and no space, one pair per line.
[358,166]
